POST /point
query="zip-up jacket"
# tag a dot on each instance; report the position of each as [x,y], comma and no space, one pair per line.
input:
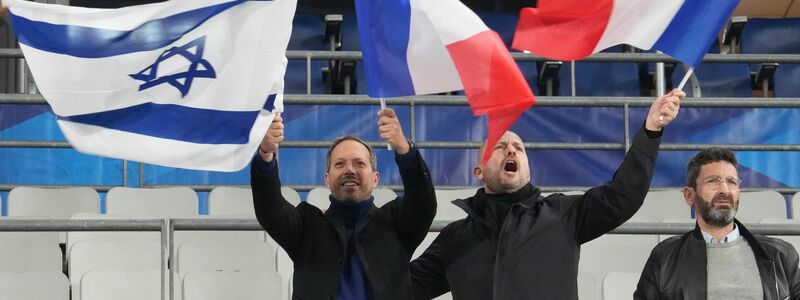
[677,268]
[534,253]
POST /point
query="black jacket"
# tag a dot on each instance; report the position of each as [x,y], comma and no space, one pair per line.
[534,253]
[385,238]
[677,269]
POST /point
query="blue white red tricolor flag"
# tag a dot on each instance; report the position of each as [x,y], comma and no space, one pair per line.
[189,84]
[573,29]
[415,47]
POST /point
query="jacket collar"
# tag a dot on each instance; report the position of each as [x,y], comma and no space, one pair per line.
[473,206]
[746,234]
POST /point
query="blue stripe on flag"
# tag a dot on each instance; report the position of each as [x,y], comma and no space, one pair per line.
[90,42]
[383,27]
[694,28]
[175,122]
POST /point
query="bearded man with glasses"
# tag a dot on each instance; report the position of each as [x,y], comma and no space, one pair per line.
[720,258]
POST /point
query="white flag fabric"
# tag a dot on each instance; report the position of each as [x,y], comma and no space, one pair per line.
[189,84]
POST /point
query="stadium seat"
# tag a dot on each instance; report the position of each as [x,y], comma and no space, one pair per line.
[791,239]
[74,237]
[243,285]
[600,78]
[775,36]
[660,205]
[88,255]
[319,197]
[228,256]
[619,285]
[587,287]
[30,256]
[121,285]
[754,206]
[687,220]
[718,79]
[446,210]
[615,253]
[226,200]
[52,203]
[49,285]
[173,202]
[796,206]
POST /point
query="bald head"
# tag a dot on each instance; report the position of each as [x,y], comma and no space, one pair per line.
[507,169]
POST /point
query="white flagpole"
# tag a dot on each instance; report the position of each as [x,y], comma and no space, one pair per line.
[681,85]
[383,106]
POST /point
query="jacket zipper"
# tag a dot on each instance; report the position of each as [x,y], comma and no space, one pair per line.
[497,251]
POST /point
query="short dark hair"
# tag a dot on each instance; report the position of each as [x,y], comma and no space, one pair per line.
[705,157]
[373,161]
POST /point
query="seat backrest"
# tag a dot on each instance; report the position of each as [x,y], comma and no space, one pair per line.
[754,206]
[319,197]
[660,205]
[74,237]
[771,36]
[89,255]
[52,203]
[121,285]
[30,256]
[446,210]
[615,253]
[172,202]
[796,206]
[307,33]
[719,80]
[600,79]
[225,200]
[351,41]
[587,287]
[48,285]
[243,285]
[230,256]
[620,285]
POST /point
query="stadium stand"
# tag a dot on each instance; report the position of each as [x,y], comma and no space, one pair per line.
[47,285]
[600,78]
[755,206]
[661,205]
[52,203]
[775,36]
[587,287]
[121,256]
[718,79]
[307,34]
[18,256]
[795,203]
[226,200]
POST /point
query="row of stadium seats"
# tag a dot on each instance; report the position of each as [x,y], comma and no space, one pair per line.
[100,264]
[182,202]
[759,36]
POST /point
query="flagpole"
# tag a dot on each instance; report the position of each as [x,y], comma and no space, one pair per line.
[681,85]
[383,106]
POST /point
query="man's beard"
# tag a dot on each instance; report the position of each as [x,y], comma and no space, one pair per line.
[717,217]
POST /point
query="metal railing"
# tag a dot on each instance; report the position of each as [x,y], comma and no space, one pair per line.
[167,228]
[624,102]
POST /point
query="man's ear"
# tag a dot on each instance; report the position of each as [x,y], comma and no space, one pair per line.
[326,179]
[478,172]
[689,195]
[376,178]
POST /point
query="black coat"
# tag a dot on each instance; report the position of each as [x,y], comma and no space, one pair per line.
[534,254]
[677,267]
[385,238]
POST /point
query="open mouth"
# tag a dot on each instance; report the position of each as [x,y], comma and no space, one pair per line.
[510,166]
[350,183]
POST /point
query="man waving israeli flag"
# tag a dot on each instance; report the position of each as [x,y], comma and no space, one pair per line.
[188,84]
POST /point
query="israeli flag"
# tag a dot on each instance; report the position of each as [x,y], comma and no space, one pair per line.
[189,84]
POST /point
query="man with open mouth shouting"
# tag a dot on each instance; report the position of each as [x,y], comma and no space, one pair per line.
[353,250]
[516,243]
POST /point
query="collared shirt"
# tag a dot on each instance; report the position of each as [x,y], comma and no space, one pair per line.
[732,236]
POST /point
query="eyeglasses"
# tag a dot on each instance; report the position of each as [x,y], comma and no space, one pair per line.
[716,182]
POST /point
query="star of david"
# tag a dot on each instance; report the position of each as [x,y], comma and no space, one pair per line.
[198,68]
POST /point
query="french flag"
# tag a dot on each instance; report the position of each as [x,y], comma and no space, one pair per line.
[415,47]
[573,29]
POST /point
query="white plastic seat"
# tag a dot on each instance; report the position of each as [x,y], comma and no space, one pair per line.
[30,257]
[791,239]
[121,285]
[228,256]
[12,237]
[173,202]
[662,237]
[445,209]
[660,205]
[619,285]
[615,253]
[225,200]
[754,206]
[52,203]
[796,206]
[49,285]
[90,255]
[587,287]
[111,236]
[319,197]
[224,285]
